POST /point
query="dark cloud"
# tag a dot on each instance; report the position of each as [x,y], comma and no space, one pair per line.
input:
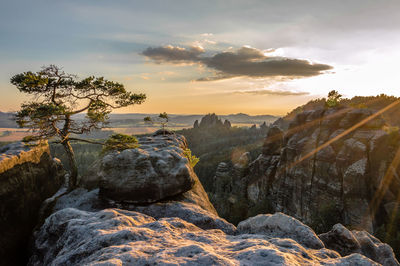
[174,54]
[272,92]
[246,61]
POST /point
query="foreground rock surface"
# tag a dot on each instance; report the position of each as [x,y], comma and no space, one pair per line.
[115,237]
[282,226]
[28,175]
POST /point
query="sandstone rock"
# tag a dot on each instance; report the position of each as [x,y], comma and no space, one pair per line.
[273,141]
[374,249]
[347,242]
[227,124]
[28,175]
[204,218]
[341,240]
[154,171]
[187,212]
[281,226]
[319,186]
[116,237]
[209,121]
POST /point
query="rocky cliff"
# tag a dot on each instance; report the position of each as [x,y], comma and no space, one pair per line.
[174,223]
[28,175]
[331,165]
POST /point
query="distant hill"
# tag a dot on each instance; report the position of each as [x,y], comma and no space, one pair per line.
[134,119]
[7,120]
[176,120]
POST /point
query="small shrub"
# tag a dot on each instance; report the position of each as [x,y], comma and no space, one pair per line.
[120,142]
[333,99]
[193,160]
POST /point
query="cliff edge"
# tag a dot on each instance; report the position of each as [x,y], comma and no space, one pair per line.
[28,175]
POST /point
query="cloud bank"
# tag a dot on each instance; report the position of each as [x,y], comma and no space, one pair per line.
[246,61]
[272,92]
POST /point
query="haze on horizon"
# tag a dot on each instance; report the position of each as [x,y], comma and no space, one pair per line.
[196,57]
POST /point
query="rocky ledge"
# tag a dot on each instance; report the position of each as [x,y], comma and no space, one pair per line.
[90,227]
[28,175]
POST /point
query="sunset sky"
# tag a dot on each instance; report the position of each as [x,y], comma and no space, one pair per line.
[194,57]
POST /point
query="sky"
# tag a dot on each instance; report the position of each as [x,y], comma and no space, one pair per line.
[196,57]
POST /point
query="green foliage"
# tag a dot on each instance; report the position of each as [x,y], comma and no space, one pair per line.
[120,142]
[163,120]
[333,99]
[193,160]
[164,116]
[56,95]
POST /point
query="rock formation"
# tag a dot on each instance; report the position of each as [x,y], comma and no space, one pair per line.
[28,175]
[210,120]
[227,124]
[97,228]
[155,171]
[196,124]
[346,181]
[347,242]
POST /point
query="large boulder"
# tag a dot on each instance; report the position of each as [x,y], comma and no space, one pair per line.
[28,175]
[156,170]
[279,225]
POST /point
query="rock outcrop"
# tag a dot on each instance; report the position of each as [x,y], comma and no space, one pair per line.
[28,175]
[90,227]
[158,170]
[347,242]
[319,170]
[211,120]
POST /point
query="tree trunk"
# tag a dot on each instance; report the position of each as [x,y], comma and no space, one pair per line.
[73,177]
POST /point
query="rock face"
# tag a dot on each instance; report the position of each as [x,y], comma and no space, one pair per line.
[28,175]
[158,170]
[346,181]
[90,228]
[347,242]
